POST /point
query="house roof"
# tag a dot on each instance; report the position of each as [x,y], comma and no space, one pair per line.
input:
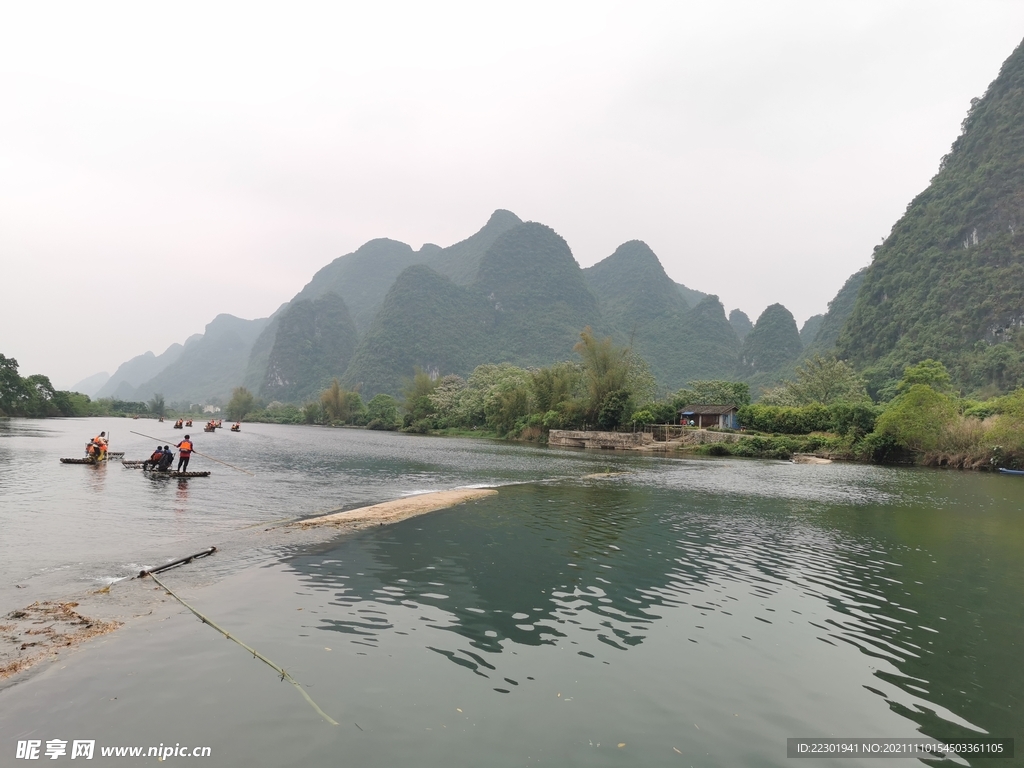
[707,410]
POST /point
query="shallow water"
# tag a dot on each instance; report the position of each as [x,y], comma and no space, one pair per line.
[695,612]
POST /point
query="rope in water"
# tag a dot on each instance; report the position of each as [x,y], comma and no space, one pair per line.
[256,654]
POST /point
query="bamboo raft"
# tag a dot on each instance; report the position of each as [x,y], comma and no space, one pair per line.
[86,460]
[132,463]
[171,473]
[115,454]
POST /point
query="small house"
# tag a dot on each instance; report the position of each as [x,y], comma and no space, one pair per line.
[723,416]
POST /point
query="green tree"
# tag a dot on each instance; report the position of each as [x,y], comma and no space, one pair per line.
[556,385]
[13,393]
[614,409]
[642,417]
[917,419]
[483,385]
[42,398]
[241,403]
[416,392]
[445,400]
[382,412]
[825,380]
[157,406]
[508,402]
[313,412]
[605,369]
[713,392]
[930,373]
[640,382]
[341,406]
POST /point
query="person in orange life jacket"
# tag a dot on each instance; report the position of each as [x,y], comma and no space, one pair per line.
[154,460]
[100,441]
[166,460]
[185,448]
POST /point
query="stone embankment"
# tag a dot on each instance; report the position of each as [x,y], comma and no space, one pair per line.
[637,441]
[623,441]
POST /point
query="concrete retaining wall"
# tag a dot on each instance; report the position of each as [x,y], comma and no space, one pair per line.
[608,440]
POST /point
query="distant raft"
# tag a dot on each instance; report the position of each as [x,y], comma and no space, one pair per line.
[171,473]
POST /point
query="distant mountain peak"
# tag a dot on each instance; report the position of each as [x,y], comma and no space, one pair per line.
[504,219]
[740,323]
[773,344]
[638,255]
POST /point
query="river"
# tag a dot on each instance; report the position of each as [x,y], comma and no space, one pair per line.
[674,612]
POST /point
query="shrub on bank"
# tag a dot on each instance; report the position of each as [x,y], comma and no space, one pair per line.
[778,446]
[840,417]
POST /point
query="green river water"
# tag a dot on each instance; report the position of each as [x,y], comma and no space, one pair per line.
[684,612]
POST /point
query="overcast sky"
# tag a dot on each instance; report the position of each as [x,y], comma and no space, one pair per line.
[163,163]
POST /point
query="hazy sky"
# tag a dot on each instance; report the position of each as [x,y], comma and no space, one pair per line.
[163,163]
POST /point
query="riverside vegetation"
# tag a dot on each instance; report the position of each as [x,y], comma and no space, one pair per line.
[825,409]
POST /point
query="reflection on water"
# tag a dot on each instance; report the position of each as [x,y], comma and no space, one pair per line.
[181,497]
[601,567]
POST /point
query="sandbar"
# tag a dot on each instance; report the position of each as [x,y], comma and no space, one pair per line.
[389,512]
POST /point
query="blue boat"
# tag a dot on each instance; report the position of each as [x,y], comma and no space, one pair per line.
[1006,471]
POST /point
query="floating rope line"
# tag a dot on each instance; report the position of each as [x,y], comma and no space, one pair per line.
[256,654]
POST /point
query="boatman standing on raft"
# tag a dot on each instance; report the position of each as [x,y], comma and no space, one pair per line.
[100,441]
[184,452]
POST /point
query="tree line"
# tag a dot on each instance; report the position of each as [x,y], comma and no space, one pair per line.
[34,396]
[826,408]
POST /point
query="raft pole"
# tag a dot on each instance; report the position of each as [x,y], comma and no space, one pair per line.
[206,620]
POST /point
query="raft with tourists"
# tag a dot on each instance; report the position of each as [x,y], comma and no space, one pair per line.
[95,451]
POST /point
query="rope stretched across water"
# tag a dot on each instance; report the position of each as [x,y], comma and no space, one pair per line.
[256,654]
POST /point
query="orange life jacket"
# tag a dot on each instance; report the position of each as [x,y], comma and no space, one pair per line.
[185,446]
